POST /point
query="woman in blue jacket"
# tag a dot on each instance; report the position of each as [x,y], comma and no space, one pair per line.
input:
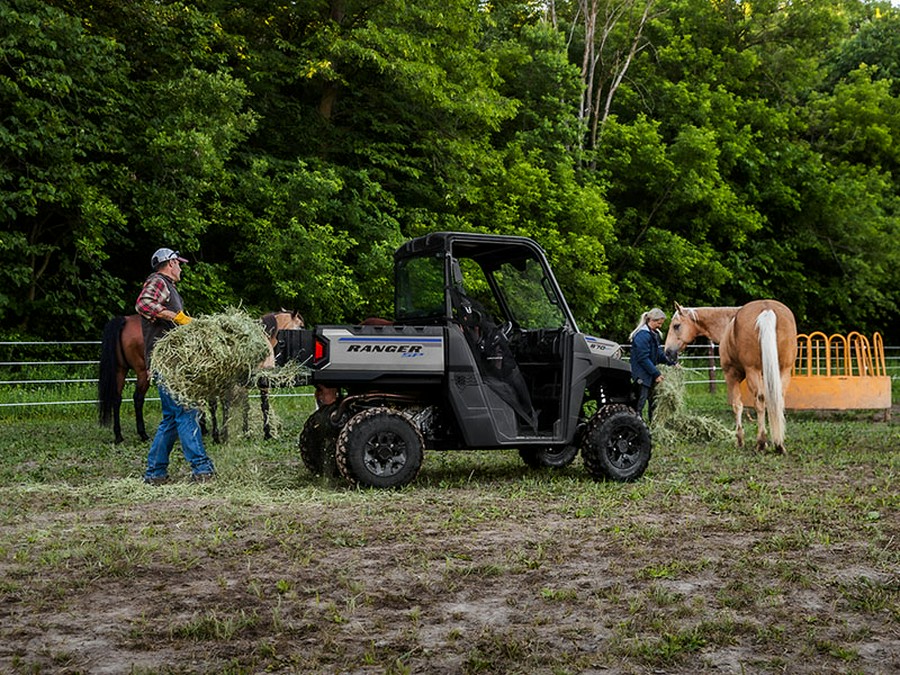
[646,353]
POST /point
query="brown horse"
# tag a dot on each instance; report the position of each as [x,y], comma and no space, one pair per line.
[757,343]
[122,349]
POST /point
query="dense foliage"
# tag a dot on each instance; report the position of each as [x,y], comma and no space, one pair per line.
[660,150]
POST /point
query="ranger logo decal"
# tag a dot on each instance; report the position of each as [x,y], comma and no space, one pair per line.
[407,350]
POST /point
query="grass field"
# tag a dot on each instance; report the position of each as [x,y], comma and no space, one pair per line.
[717,560]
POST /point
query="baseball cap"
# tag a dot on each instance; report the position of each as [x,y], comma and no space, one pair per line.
[165,255]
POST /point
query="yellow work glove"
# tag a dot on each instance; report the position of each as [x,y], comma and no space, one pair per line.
[181,318]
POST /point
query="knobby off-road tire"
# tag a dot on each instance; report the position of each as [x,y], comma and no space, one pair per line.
[380,447]
[317,442]
[616,444]
[554,457]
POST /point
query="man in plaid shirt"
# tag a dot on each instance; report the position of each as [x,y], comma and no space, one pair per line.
[161,309]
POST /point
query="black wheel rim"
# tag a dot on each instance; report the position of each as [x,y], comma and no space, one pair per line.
[385,454]
[624,448]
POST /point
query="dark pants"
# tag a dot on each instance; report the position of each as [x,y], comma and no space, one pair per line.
[645,395]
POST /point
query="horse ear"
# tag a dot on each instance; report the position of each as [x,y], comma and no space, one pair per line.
[678,307]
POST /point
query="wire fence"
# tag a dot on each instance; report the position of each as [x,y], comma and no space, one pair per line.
[34,374]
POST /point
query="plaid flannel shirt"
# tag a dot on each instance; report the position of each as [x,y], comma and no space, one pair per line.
[153,298]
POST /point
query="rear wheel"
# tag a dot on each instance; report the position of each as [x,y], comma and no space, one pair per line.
[317,442]
[556,457]
[616,444]
[380,447]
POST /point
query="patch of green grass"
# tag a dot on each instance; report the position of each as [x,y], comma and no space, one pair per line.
[873,596]
[213,626]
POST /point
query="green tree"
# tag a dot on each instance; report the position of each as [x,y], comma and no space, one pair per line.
[101,166]
[61,91]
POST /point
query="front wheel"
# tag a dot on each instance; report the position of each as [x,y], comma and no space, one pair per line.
[616,444]
[555,457]
[380,447]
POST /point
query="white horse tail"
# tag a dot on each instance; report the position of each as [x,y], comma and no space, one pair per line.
[768,344]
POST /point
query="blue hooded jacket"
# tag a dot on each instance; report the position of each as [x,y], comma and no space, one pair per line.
[646,352]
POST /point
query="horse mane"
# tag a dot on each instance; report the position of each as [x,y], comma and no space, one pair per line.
[269,324]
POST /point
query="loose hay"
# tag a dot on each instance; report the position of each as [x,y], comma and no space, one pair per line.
[671,420]
[214,354]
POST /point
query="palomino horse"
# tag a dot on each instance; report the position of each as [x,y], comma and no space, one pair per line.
[757,343]
[123,350]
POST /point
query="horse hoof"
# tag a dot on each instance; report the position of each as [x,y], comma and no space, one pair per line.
[761,447]
[119,440]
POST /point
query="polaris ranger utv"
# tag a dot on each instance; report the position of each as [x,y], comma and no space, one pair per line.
[482,353]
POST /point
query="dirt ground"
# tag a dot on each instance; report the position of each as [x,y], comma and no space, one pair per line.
[496,588]
[717,561]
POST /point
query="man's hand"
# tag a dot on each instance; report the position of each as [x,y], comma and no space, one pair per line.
[181,318]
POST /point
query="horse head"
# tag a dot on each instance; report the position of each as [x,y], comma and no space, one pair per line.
[289,319]
[683,330]
[281,320]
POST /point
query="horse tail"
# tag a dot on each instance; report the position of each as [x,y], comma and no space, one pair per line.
[771,371]
[107,386]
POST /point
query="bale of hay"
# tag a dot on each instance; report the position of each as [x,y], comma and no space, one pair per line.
[671,419]
[214,354]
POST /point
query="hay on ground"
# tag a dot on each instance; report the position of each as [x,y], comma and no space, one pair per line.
[214,354]
[671,419]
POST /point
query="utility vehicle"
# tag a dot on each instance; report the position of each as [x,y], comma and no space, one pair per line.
[482,353]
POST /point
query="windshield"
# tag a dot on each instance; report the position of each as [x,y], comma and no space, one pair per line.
[516,291]
[528,295]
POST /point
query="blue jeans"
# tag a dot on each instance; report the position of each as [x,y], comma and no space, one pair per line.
[179,423]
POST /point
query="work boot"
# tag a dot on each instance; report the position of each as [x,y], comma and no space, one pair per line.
[156,480]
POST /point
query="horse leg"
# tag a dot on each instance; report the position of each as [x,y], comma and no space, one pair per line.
[201,420]
[757,389]
[264,404]
[734,398]
[264,407]
[214,419]
[117,425]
